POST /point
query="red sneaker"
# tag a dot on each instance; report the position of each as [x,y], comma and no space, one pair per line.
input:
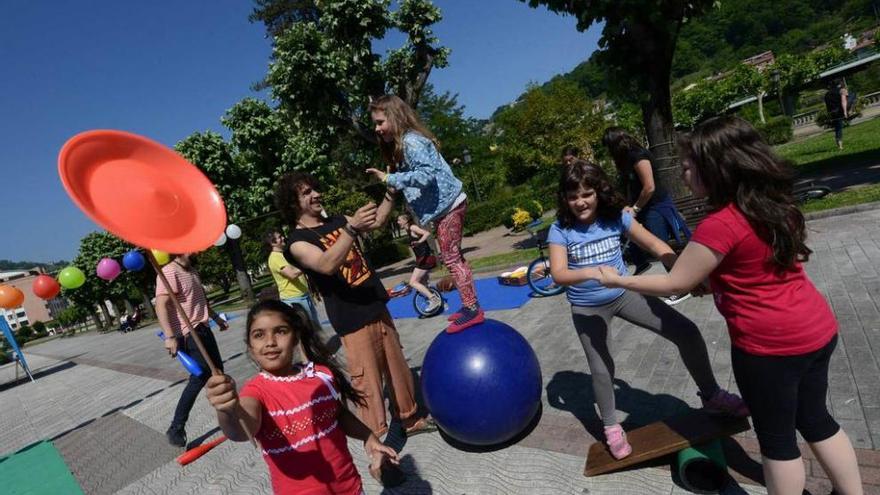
[467,319]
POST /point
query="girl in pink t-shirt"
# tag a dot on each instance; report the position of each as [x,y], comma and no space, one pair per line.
[298,411]
[782,330]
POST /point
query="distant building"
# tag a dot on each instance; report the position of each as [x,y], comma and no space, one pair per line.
[33,309]
[761,61]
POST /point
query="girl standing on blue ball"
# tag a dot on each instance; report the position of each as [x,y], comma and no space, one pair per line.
[433,193]
[586,235]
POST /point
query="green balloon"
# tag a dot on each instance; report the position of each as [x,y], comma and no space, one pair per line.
[71,277]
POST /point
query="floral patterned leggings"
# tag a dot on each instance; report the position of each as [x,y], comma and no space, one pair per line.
[449,237]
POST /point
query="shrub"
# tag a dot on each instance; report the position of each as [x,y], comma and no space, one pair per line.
[777,130]
[39,328]
[488,214]
[534,209]
[520,219]
[24,334]
[383,250]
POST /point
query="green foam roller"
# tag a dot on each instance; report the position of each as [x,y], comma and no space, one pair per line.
[702,468]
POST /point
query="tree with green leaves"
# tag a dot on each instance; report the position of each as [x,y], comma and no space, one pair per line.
[71,315]
[637,47]
[711,97]
[531,133]
[324,72]
[95,291]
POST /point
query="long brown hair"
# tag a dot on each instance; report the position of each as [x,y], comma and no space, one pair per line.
[299,322]
[737,166]
[402,119]
[582,173]
[621,145]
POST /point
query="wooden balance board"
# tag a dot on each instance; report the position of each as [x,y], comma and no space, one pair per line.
[664,437]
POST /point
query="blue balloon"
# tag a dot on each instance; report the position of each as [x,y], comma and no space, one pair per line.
[134,261]
[482,385]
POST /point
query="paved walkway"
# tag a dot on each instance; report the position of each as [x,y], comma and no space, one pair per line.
[105,400]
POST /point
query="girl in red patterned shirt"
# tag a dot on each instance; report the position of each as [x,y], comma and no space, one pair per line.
[298,411]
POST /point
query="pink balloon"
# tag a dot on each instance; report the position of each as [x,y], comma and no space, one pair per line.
[108,269]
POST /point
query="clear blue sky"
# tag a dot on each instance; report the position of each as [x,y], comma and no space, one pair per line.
[166,69]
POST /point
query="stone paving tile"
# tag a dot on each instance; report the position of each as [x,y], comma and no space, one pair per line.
[651,383]
[124,448]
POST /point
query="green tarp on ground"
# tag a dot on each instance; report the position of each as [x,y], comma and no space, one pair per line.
[36,470]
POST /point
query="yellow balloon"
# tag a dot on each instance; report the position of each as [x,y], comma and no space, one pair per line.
[161,257]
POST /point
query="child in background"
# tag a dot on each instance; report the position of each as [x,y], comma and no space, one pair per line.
[433,193]
[298,411]
[586,235]
[425,261]
[293,288]
[782,330]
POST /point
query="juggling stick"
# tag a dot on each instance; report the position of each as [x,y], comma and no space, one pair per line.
[198,340]
[196,452]
[187,362]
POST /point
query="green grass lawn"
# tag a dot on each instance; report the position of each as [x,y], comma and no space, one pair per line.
[852,197]
[861,146]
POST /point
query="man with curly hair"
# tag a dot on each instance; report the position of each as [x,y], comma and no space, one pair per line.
[325,247]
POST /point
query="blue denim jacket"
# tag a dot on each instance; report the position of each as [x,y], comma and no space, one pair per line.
[425,178]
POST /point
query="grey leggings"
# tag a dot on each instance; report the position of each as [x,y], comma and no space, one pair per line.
[591,324]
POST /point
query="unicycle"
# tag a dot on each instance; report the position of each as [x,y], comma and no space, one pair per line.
[421,303]
[538,274]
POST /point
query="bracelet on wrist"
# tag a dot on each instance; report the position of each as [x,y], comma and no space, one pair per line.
[350,230]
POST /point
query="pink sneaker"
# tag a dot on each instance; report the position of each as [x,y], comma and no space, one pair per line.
[724,403]
[615,437]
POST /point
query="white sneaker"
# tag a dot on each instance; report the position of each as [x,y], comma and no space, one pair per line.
[433,304]
[673,300]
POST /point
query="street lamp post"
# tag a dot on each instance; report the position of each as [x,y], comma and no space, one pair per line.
[466,156]
[230,238]
[774,75]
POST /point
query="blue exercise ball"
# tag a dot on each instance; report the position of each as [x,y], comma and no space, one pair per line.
[133,261]
[482,385]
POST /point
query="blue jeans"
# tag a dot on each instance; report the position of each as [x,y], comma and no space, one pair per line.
[838,129]
[665,223]
[195,383]
[305,302]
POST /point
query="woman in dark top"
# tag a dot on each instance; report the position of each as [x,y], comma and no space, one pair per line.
[425,260]
[649,202]
[837,105]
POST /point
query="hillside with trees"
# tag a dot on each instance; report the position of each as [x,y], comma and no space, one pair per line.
[733,31]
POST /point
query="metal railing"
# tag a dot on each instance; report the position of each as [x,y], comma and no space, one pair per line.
[807,118]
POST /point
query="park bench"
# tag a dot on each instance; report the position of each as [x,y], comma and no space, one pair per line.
[692,210]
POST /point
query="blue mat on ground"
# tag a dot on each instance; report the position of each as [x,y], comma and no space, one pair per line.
[492,295]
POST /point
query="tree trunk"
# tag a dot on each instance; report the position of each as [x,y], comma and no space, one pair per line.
[657,118]
[247,292]
[107,317]
[148,306]
[95,320]
[761,106]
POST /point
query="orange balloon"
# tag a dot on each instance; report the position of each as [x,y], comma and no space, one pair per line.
[45,287]
[10,297]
